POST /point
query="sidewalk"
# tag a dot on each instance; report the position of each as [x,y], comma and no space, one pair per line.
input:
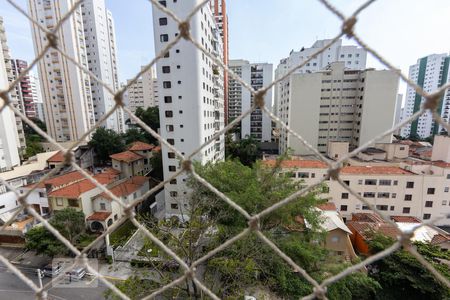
[123,270]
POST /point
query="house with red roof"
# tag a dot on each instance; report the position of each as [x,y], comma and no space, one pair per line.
[135,161]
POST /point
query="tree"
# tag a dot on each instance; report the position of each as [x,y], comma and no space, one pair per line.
[69,222]
[134,135]
[150,117]
[106,142]
[402,276]
[246,150]
[157,165]
[33,139]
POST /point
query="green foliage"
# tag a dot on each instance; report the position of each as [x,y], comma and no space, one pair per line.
[246,150]
[157,165]
[69,222]
[355,286]
[106,142]
[134,287]
[33,139]
[133,135]
[122,234]
[402,276]
[150,117]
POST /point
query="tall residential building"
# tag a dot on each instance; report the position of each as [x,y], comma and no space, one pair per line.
[191,105]
[14,95]
[353,57]
[219,9]
[144,92]
[37,96]
[9,154]
[337,104]
[430,72]
[100,43]
[66,89]
[258,124]
[23,88]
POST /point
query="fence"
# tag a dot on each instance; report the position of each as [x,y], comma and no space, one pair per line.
[320,288]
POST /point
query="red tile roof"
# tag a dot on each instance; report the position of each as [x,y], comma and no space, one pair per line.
[140,146]
[367,217]
[57,157]
[76,189]
[61,179]
[327,206]
[99,216]
[366,228]
[439,239]
[127,187]
[126,156]
[405,219]
[298,164]
[385,170]
[157,149]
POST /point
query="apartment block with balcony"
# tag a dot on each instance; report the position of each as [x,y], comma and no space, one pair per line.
[191,95]
[258,125]
[337,104]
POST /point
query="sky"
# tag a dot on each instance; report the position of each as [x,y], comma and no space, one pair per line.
[267,30]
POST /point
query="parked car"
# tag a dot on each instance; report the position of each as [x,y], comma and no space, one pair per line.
[52,270]
[76,274]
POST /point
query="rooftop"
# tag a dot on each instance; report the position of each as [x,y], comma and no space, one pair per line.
[298,164]
[381,170]
[58,157]
[126,156]
[38,165]
[99,216]
[59,180]
[405,219]
[127,187]
[140,146]
[366,228]
[76,189]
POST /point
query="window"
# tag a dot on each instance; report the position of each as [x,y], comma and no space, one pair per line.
[360,181]
[444,202]
[395,182]
[173,181]
[369,195]
[428,203]
[41,194]
[102,206]
[408,197]
[343,207]
[392,207]
[406,210]
[164,38]
[163,3]
[115,217]
[171,154]
[168,113]
[167,54]
[370,182]
[385,182]
[394,195]
[172,168]
[173,194]
[446,189]
[383,195]
[73,202]
[169,128]
[410,184]
[448,176]
[344,196]
[430,191]
[382,207]
[166,69]
[167,99]
[426,216]
[365,207]
[162,21]
[167,84]
[303,175]
[335,239]
[347,182]
[174,206]
[59,201]
[171,141]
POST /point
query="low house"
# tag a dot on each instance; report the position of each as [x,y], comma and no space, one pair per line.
[106,211]
[128,163]
[146,151]
[83,156]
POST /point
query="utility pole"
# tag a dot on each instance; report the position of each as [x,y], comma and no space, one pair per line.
[39,273]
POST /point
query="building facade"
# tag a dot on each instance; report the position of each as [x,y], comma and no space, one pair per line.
[258,125]
[100,42]
[66,89]
[430,73]
[37,96]
[14,94]
[191,95]
[24,88]
[337,104]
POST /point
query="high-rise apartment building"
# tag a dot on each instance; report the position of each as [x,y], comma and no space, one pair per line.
[191,95]
[37,96]
[23,88]
[66,89]
[430,73]
[144,92]
[337,104]
[258,125]
[353,57]
[9,146]
[219,9]
[14,94]
[100,40]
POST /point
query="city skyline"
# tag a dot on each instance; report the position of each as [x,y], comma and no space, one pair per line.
[135,51]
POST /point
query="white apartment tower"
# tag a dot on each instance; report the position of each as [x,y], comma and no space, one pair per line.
[16,99]
[430,72]
[66,89]
[353,57]
[144,92]
[258,125]
[191,95]
[337,104]
[9,154]
[37,96]
[102,60]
